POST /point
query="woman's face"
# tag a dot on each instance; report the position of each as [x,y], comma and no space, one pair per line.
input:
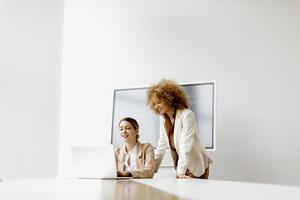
[127,131]
[159,105]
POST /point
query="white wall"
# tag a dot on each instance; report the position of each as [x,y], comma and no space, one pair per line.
[249,47]
[30,61]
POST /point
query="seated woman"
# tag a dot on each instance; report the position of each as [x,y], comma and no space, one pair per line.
[134,159]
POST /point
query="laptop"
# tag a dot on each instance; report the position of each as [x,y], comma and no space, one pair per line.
[94,162]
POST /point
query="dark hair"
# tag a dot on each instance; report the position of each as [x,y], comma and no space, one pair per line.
[133,122]
[170,93]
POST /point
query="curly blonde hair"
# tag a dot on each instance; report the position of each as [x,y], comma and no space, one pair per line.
[170,93]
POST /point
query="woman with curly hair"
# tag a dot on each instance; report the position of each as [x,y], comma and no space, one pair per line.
[178,130]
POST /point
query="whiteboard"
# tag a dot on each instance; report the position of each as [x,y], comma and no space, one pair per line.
[131,102]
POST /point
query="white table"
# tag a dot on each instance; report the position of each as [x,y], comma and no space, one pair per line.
[75,189]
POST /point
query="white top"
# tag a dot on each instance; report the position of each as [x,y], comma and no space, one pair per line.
[192,155]
[132,157]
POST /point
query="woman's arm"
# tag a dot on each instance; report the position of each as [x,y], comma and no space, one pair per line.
[161,146]
[149,163]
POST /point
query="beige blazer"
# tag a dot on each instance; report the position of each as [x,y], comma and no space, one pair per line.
[145,162]
[192,155]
